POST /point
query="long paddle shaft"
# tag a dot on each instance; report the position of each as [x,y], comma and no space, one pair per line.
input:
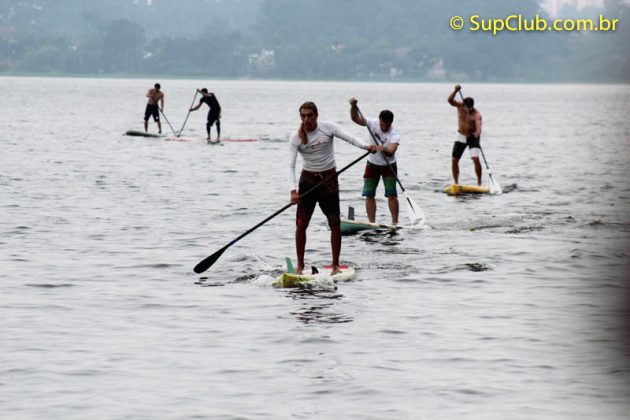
[169,124]
[179,133]
[495,187]
[413,208]
[209,261]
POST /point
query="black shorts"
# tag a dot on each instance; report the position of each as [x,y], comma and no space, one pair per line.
[152,110]
[459,147]
[212,118]
[327,195]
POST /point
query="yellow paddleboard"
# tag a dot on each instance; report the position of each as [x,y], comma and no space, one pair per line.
[466,189]
[294,280]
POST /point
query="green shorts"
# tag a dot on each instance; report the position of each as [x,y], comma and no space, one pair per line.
[373,174]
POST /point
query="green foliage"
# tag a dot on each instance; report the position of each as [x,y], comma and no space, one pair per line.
[301,39]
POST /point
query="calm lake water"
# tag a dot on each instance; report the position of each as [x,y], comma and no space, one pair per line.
[512,306]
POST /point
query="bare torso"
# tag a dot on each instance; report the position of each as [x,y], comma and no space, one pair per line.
[466,120]
[154,96]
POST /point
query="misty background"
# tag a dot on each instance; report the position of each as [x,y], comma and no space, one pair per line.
[308,39]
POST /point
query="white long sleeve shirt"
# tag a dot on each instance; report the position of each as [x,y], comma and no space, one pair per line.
[318,154]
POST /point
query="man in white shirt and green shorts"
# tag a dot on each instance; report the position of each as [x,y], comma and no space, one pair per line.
[380,165]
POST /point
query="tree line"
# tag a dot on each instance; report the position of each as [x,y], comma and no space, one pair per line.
[306,39]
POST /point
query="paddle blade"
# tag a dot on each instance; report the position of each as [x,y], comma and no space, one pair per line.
[414,212]
[209,261]
[495,187]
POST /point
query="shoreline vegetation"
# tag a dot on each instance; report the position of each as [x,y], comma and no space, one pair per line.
[259,79]
[404,41]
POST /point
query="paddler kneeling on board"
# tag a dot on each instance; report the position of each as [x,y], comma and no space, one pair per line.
[314,141]
[382,164]
[469,128]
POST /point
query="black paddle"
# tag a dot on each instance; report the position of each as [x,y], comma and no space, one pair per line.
[415,213]
[495,187]
[186,119]
[209,261]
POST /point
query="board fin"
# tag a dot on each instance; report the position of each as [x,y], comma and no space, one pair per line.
[350,213]
[314,270]
[290,268]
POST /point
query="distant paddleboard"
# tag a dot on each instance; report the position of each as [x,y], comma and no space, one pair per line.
[137,133]
[206,139]
[350,227]
[186,139]
[466,189]
[239,140]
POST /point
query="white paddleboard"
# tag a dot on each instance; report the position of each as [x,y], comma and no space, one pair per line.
[350,227]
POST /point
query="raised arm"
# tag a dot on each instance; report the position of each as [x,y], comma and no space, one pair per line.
[451,97]
[354,112]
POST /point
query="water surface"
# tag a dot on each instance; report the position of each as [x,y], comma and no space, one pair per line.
[510,307]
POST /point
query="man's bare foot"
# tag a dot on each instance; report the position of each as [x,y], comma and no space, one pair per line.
[298,270]
[335,270]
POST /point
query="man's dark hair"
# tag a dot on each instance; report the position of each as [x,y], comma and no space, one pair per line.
[469,102]
[309,105]
[157,86]
[204,90]
[387,116]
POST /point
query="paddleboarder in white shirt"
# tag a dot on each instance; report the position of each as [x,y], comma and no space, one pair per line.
[314,142]
[380,164]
